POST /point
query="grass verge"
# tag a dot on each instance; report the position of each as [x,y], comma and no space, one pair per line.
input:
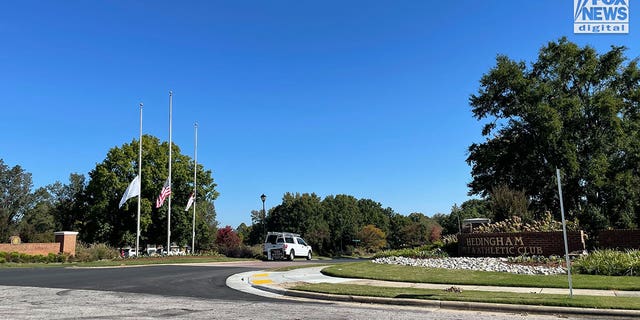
[476,296]
[127,262]
[369,270]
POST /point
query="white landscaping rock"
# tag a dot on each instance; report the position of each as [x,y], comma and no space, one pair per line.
[478,264]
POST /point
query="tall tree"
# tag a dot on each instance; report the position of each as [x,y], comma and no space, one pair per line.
[105,222]
[38,224]
[69,202]
[15,198]
[572,109]
[473,208]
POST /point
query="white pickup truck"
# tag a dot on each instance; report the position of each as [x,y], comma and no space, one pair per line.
[284,245]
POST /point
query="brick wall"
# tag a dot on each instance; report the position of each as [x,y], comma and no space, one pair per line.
[618,239]
[31,248]
[65,242]
[516,244]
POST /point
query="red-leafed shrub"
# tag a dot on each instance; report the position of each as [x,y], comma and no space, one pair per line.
[227,240]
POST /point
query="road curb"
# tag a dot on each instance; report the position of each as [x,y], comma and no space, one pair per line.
[455,305]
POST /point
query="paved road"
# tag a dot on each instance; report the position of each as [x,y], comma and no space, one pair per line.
[168,280]
[178,292]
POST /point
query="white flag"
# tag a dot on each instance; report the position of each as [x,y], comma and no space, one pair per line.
[190,202]
[132,190]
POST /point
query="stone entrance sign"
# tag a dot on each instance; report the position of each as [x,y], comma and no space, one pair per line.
[517,244]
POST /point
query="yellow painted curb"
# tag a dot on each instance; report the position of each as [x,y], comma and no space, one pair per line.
[258,275]
[262,281]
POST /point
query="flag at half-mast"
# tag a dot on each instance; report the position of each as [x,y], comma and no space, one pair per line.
[164,193]
[132,190]
[192,197]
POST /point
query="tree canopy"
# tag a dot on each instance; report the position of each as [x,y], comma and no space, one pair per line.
[105,222]
[91,207]
[572,109]
[341,223]
[15,198]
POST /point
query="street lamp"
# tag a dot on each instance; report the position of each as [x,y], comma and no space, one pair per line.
[264,213]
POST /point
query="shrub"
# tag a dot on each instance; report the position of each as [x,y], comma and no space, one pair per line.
[241,251]
[423,252]
[450,244]
[15,257]
[515,224]
[3,260]
[94,252]
[51,257]
[609,262]
[38,258]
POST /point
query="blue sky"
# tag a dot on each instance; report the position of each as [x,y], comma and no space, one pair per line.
[366,98]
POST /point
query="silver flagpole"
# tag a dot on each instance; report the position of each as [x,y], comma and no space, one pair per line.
[564,233]
[169,212]
[195,188]
[139,182]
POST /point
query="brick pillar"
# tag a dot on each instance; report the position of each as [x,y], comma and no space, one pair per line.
[67,240]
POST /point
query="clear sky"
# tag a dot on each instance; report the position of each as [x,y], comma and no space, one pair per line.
[366,98]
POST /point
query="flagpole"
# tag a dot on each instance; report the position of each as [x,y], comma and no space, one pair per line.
[169,212]
[195,187]
[139,182]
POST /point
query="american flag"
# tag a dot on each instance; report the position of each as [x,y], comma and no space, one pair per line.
[166,191]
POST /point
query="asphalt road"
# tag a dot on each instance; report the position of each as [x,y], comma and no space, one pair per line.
[180,292]
[168,280]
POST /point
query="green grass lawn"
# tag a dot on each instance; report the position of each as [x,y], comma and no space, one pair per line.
[476,296]
[369,270]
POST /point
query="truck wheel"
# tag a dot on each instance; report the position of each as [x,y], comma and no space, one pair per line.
[309,255]
[292,255]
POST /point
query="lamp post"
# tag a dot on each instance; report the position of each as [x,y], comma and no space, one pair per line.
[264,213]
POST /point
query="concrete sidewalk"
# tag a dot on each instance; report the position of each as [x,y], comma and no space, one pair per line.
[276,284]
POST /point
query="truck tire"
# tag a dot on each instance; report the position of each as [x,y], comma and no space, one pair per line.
[292,255]
[309,255]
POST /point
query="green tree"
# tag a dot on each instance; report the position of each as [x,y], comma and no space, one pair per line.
[372,238]
[244,232]
[15,198]
[69,202]
[397,224]
[420,230]
[303,214]
[37,224]
[506,203]
[572,109]
[472,208]
[105,222]
[329,225]
[342,215]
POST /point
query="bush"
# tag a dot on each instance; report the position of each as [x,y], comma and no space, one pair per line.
[15,257]
[450,244]
[51,258]
[423,252]
[609,263]
[243,251]
[515,224]
[95,252]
